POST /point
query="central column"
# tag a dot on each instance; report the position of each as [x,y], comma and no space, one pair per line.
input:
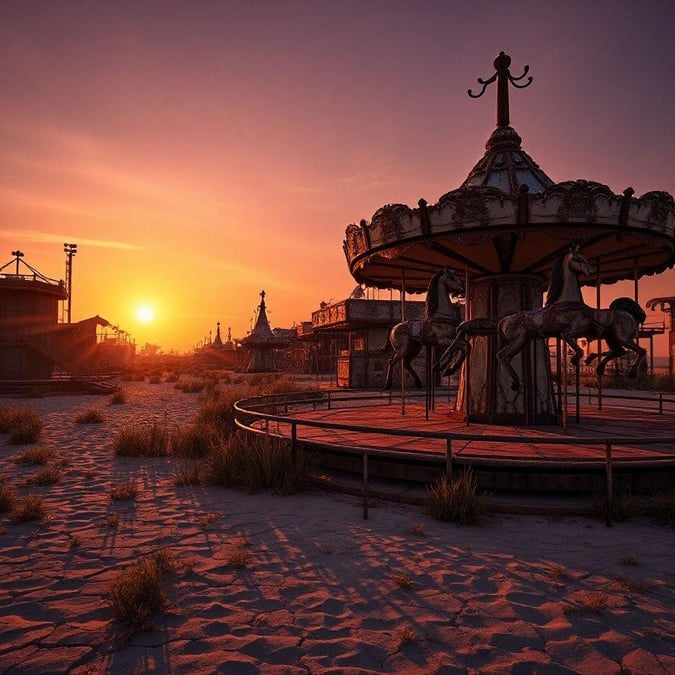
[484,384]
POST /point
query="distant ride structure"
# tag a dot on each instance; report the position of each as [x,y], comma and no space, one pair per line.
[262,342]
[667,305]
[503,229]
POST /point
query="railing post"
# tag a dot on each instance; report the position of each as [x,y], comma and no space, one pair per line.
[661,404]
[448,457]
[329,400]
[609,488]
[365,485]
[267,426]
[294,442]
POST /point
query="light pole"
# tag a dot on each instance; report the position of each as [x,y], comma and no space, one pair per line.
[70,250]
[19,255]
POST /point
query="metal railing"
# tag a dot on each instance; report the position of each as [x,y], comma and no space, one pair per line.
[266,408]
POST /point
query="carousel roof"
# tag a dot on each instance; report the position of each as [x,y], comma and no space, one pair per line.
[509,217]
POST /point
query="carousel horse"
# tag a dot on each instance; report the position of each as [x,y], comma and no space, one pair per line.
[566,316]
[563,287]
[441,316]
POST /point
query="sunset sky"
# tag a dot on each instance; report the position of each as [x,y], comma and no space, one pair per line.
[200,151]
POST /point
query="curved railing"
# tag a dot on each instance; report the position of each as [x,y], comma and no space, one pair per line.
[279,408]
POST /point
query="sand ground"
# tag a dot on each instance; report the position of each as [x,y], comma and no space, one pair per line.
[324,591]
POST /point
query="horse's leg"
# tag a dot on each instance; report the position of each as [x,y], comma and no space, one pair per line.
[506,354]
[449,353]
[615,351]
[572,342]
[398,344]
[411,352]
[641,356]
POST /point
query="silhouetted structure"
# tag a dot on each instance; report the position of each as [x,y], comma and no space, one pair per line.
[32,342]
[353,335]
[503,228]
[262,342]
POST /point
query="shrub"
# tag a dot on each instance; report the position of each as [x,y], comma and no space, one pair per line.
[30,508]
[123,491]
[195,440]
[218,411]
[118,397]
[456,500]
[187,474]
[7,498]
[22,424]
[152,441]
[90,416]
[48,476]
[155,379]
[257,463]
[39,455]
[137,593]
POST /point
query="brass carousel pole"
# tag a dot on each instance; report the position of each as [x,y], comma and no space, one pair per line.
[597,302]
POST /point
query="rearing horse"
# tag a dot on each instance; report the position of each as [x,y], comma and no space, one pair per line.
[441,316]
[563,287]
[565,315]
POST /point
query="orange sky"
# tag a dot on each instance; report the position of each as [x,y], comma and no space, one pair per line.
[200,152]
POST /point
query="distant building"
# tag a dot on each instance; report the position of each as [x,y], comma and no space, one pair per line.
[356,332]
[33,345]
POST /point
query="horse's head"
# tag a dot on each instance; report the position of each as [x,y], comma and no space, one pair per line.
[454,284]
[578,263]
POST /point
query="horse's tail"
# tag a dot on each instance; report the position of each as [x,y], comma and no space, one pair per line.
[386,348]
[629,305]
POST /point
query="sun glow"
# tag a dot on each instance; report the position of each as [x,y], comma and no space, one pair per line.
[145,314]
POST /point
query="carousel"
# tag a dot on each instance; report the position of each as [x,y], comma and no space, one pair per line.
[511,233]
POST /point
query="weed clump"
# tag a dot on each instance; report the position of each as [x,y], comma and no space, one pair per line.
[257,463]
[150,441]
[456,499]
[138,593]
[119,397]
[39,455]
[27,509]
[23,425]
[90,416]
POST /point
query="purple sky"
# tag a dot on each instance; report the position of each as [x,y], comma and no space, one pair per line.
[201,151]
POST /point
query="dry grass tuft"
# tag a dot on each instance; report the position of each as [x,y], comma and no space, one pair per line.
[592,602]
[137,594]
[7,498]
[257,463]
[404,636]
[39,455]
[402,581]
[23,425]
[207,518]
[187,474]
[49,476]
[28,509]
[150,441]
[238,557]
[195,440]
[123,491]
[456,500]
[90,416]
[111,520]
[558,572]
[119,397]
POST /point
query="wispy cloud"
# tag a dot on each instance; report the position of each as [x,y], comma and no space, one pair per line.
[50,238]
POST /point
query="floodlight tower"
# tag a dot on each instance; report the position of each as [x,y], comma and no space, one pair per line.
[70,250]
[18,255]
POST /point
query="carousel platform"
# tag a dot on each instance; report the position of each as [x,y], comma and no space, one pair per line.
[634,438]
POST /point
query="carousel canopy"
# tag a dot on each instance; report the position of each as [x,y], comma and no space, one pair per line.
[509,217]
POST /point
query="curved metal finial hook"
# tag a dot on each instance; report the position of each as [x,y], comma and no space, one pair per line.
[503,77]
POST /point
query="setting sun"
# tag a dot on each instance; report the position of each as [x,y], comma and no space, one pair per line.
[145,314]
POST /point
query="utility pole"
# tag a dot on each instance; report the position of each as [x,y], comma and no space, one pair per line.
[70,250]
